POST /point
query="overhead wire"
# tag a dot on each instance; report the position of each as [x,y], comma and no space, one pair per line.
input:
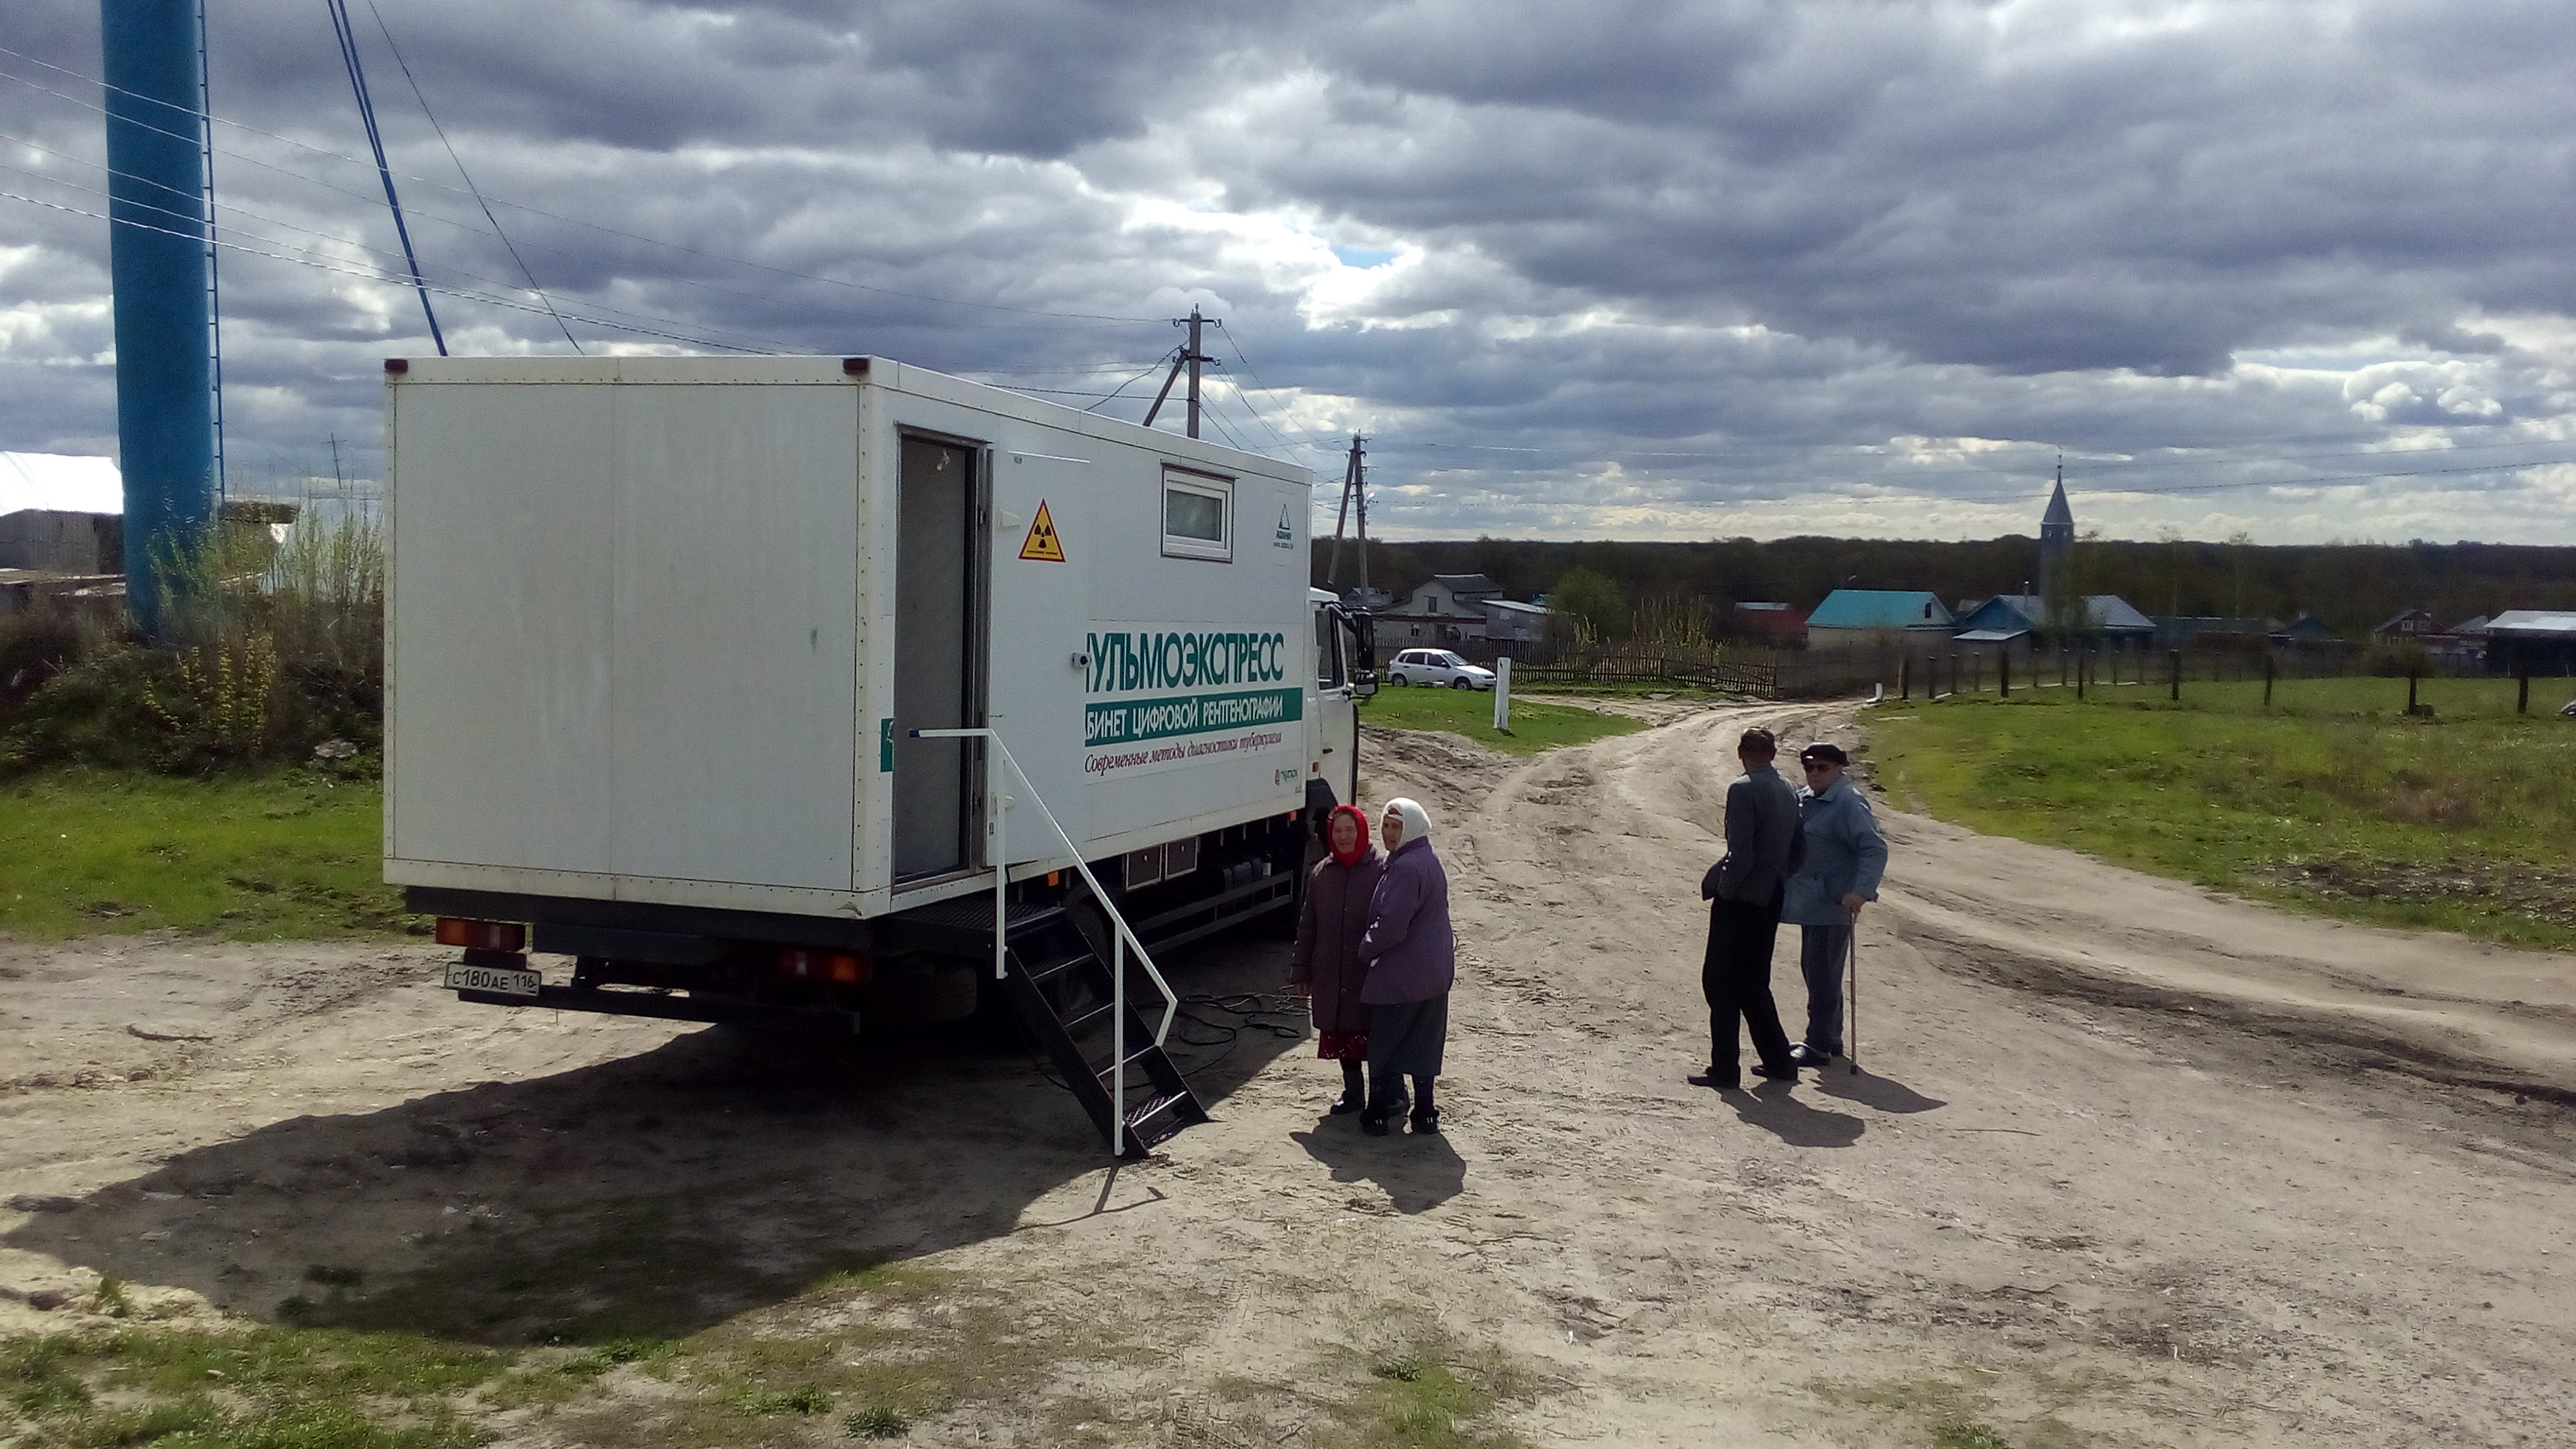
[418,95]
[347,34]
[378,276]
[1103,318]
[802,305]
[1111,396]
[354,245]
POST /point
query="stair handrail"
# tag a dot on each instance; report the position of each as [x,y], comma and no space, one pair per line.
[1123,936]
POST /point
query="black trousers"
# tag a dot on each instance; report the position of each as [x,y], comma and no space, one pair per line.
[1736,978]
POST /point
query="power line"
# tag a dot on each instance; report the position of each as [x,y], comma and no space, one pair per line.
[378,276]
[468,177]
[571,220]
[348,37]
[770,344]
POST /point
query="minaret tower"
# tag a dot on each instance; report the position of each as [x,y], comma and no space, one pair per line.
[2056,538]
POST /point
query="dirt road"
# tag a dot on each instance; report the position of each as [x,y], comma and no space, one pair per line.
[2130,1165]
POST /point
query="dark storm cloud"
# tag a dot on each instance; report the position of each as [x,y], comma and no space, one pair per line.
[1807,266]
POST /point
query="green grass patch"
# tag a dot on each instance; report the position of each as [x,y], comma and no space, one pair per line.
[1469,712]
[262,1388]
[2330,798]
[283,856]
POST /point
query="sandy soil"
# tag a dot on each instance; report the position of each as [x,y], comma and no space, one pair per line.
[2129,1164]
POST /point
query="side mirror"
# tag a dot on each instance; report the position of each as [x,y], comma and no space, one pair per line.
[1365,686]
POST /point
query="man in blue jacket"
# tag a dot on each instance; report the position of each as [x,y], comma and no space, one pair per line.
[1844,861]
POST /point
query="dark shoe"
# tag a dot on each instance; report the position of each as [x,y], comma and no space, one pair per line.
[1804,1055]
[1427,1122]
[1722,1081]
[1354,1091]
[1782,1073]
[1373,1123]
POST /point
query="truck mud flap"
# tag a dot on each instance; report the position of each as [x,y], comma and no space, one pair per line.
[807,1020]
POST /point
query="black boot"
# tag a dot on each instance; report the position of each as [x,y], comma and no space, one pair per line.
[1386,1098]
[1426,1109]
[1354,1090]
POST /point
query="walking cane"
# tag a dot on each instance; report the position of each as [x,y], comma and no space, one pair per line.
[1853,1023]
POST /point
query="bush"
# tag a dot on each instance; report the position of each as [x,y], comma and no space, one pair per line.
[271,649]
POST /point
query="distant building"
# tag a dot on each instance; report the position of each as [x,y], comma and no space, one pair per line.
[2056,540]
[2410,627]
[61,482]
[1450,594]
[1446,609]
[1848,615]
[58,541]
[2246,631]
[61,514]
[2306,629]
[2023,618]
[1514,628]
[2535,641]
[1765,623]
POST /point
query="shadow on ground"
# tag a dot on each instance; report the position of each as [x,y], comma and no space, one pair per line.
[643,1198]
[1774,1107]
[1872,1090]
[1418,1171]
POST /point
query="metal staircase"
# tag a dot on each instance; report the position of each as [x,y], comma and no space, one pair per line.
[1060,981]
[1072,970]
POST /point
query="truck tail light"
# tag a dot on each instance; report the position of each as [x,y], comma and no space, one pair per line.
[835,966]
[482,935]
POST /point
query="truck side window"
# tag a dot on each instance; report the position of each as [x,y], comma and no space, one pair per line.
[1197,515]
[1330,671]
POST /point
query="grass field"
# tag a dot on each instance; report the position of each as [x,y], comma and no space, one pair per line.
[273,857]
[1469,712]
[2330,798]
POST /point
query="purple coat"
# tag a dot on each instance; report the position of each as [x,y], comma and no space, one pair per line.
[1329,928]
[1411,953]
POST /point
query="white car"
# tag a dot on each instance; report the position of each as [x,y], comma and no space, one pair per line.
[1438,666]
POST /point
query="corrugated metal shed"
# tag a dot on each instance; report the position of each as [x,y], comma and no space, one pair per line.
[2533,624]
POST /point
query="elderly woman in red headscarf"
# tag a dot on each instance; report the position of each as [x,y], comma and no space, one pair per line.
[1327,968]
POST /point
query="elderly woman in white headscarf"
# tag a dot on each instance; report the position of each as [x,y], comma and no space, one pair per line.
[1412,962]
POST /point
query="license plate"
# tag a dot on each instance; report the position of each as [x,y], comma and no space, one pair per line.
[497,979]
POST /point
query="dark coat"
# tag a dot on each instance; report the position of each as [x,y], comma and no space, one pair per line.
[1762,840]
[1327,961]
[1411,954]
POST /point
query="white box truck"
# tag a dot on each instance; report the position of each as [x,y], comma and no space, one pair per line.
[671,642]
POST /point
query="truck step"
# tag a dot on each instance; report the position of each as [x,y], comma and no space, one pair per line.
[1064,954]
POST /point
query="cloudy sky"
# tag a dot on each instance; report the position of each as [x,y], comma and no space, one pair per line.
[1633,270]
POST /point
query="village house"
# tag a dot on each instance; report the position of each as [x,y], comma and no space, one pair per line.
[1851,616]
[1445,609]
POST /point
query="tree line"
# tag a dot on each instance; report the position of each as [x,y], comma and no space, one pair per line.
[2352,587]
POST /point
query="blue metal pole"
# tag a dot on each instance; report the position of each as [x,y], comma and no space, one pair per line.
[157,263]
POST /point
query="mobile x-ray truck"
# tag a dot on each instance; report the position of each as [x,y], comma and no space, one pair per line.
[796,692]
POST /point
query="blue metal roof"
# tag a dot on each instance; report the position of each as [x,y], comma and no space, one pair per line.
[1880,609]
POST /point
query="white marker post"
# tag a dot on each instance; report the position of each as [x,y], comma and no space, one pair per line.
[1503,694]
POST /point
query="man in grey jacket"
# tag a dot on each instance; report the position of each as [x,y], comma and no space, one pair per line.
[1743,895]
[1843,860]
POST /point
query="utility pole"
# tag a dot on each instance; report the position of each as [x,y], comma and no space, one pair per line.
[1195,358]
[1351,476]
[1359,492]
[1189,357]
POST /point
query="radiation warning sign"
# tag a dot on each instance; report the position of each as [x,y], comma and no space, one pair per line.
[1042,543]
